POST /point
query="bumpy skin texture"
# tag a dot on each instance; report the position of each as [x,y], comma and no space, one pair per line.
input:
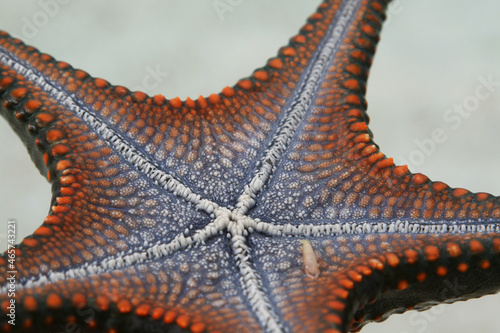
[266,207]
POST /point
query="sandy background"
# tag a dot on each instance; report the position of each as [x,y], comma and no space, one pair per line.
[430,58]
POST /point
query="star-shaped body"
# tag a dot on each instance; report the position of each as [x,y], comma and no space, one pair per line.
[224,220]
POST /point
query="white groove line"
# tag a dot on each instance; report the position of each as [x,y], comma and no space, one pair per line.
[364,228]
[154,252]
[125,149]
[298,109]
[252,283]
[239,225]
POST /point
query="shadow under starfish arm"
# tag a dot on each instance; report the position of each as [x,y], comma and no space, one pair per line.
[264,208]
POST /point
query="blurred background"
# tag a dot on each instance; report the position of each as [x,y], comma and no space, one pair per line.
[432,57]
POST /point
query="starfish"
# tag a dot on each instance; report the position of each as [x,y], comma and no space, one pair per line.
[326,262]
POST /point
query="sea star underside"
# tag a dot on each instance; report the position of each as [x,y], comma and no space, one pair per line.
[266,207]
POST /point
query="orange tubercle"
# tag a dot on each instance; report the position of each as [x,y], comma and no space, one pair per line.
[385,163]
[289,52]
[453,250]
[484,264]
[190,103]
[54,135]
[463,267]
[100,83]
[32,105]
[60,209]
[354,69]
[340,292]
[54,301]
[45,118]
[333,318]
[19,93]
[30,303]
[67,191]
[143,310]
[336,305]
[411,256]
[299,39]
[346,283]
[365,270]
[102,302]
[496,245]
[183,321]
[276,63]
[261,75]
[358,127]
[169,317]
[375,157]
[401,170]
[355,276]
[121,90]
[459,192]
[139,96]
[198,328]
[369,30]
[365,137]
[157,313]
[43,231]
[228,92]
[439,186]
[441,271]
[403,284]
[482,196]
[6,82]
[30,242]
[67,180]
[316,16]
[81,74]
[392,259]
[45,157]
[245,84]
[431,252]
[419,179]
[124,306]
[59,150]
[64,164]
[64,200]
[376,264]
[352,99]
[476,246]
[79,300]
[159,99]
[421,276]
[351,84]
[175,102]
[214,99]
[202,102]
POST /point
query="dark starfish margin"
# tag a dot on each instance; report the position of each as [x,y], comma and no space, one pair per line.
[379,240]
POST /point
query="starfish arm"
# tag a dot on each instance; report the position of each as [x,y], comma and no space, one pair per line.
[266,206]
[364,278]
[226,135]
[192,290]
[107,198]
[333,170]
